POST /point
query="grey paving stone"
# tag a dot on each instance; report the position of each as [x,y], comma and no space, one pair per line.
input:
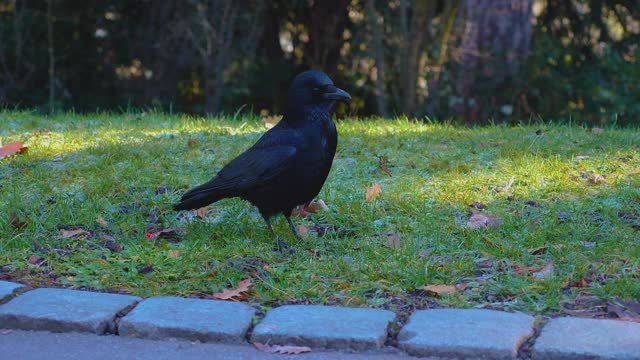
[324,327]
[580,339]
[461,333]
[60,310]
[7,288]
[192,319]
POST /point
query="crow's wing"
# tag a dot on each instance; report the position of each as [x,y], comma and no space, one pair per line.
[260,164]
[255,167]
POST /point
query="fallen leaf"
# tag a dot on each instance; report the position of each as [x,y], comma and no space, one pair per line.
[227,294]
[282,349]
[382,164]
[373,192]
[544,273]
[145,269]
[191,141]
[110,243]
[174,253]
[14,220]
[598,178]
[312,208]
[478,220]
[101,221]
[440,289]
[316,205]
[36,260]
[71,233]
[271,121]
[597,130]
[201,212]
[393,241]
[303,231]
[478,205]
[539,250]
[164,233]
[13,148]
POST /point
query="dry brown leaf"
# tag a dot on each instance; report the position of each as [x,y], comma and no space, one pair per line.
[539,250]
[316,205]
[393,241]
[35,260]
[440,289]
[145,269]
[227,294]
[312,208]
[101,221]
[373,192]
[191,141]
[13,148]
[282,349]
[201,212]
[382,164]
[271,121]
[71,233]
[478,220]
[303,231]
[597,130]
[544,273]
[174,253]
[14,220]
[168,232]
[598,178]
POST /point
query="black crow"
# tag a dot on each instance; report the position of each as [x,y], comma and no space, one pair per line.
[289,164]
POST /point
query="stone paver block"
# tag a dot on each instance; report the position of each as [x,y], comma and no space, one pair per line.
[192,319]
[577,339]
[327,327]
[7,288]
[60,310]
[460,333]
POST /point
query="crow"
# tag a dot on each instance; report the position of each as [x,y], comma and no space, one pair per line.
[289,164]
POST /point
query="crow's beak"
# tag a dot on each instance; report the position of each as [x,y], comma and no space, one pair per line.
[339,94]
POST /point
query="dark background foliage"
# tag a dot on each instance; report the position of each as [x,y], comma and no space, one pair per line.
[472,60]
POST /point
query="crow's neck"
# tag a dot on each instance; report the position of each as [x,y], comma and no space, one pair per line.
[298,115]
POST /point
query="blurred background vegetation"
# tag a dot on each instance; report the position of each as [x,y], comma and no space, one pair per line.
[473,60]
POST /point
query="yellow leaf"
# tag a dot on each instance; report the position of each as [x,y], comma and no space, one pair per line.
[373,192]
[174,253]
[201,212]
[101,221]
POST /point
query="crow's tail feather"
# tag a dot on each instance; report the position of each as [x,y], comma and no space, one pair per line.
[201,196]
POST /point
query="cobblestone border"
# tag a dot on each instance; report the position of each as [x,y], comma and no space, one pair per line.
[448,333]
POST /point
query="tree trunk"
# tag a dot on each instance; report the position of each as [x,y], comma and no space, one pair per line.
[378,51]
[495,41]
[52,68]
[423,12]
[326,21]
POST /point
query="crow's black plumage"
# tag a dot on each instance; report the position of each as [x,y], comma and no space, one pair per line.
[289,163]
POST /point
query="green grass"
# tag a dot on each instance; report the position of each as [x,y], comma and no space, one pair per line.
[118,175]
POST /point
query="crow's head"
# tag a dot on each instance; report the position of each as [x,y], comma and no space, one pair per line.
[314,88]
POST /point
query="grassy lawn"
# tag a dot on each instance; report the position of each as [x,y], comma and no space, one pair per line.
[567,200]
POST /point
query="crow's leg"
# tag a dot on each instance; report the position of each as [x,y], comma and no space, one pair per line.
[280,244]
[292,225]
[268,221]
